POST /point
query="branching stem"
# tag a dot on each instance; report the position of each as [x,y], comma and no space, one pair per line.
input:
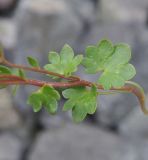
[130,87]
[37,69]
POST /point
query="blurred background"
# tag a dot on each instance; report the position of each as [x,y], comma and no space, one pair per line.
[118,130]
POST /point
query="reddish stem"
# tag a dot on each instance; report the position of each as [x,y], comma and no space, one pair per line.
[10,77]
[15,80]
[37,69]
[74,81]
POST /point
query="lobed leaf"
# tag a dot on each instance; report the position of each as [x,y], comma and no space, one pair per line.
[97,55]
[113,61]
[36,101]
[81,101]
[45,96]
[64,63]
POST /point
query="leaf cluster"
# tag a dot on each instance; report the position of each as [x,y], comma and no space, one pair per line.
[110,62]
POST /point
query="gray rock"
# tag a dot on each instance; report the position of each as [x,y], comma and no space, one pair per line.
[55,121]
[141,147]
[135,125]
[44,26]
[116,32]
[80,142]
[140,60]
[10,147]
[8,33]
[125,11]
[5,3]
[9,116]
[112,109]
[84,9]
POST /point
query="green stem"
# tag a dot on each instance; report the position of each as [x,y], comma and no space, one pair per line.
[106,93]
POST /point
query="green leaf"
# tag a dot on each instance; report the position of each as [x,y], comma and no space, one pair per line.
[97,55]
[113,61]
[51,105]
[21,73]
[51,97]
[36,101]
[64,63]
[81,100]
[127,71]
[46,96]
[50,92]
[15,89]
[4,70]
[33,61]
[120,56]
[54,57]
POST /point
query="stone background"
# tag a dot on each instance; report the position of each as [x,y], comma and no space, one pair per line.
[118,130]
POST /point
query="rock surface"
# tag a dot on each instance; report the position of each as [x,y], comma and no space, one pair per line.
[80,142]
[125,11]
[8,33]
[9,117]
[135,124]
[10,147]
